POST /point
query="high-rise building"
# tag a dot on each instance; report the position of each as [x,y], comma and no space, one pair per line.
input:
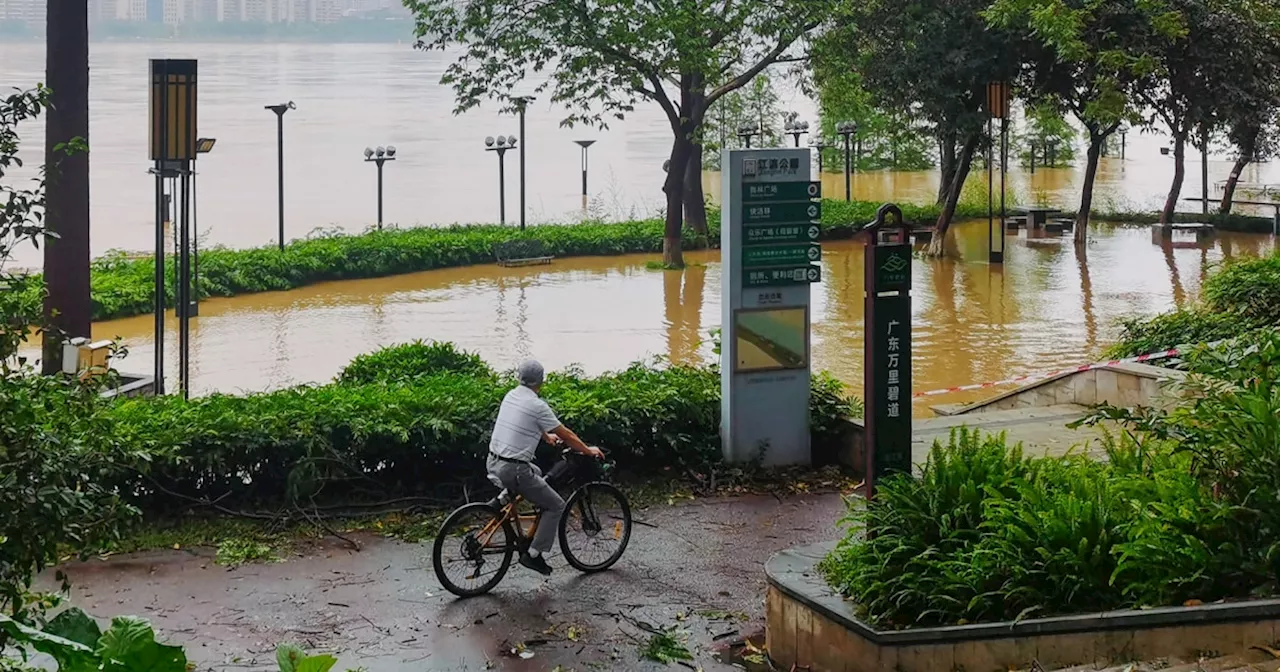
[32,12]
[325,11]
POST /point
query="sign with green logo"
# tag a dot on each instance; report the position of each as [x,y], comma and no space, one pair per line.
[780,255]
[793,233]
[774,192]
[781,213]
[892,267]
[794,275]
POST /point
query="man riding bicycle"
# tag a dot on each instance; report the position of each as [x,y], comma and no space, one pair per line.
[524,420]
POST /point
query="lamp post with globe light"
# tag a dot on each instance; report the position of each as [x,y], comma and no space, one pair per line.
[796,129]
[378,157]
[846,130]
[501,145]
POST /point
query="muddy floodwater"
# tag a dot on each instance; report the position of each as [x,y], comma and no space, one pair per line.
[1049,306]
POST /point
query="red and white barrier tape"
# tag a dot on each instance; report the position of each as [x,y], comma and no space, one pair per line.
[1164,354]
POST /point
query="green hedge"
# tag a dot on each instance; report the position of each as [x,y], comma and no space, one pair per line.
[418,430]
[122,287]
[1238,298]
[1190,509]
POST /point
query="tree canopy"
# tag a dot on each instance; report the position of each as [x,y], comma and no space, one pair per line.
[600,58]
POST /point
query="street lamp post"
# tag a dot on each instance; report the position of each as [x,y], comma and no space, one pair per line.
[1204,169]
[846,130]
[998,109]
[203,146]
[279,110]
[501,145]
[748,131]
[1124,131]
[796,129]
[584,144]
[1051,153]
[378,157]
[521,102]
[818,145]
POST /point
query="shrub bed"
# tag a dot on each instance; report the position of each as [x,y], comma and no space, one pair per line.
[122,287]
[392,428]
[1240,297]
[1186,508]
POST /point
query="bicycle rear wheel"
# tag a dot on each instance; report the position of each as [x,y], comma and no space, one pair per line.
[595,527]
[473,550]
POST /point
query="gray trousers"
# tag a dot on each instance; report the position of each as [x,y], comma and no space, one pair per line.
[526,480]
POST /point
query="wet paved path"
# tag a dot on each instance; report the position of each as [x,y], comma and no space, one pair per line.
[382,608]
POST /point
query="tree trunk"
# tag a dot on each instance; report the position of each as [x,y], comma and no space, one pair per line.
[672,237]
[1229,191]
[1096,141]
[937,245]
[695,200]
[67,307]
[946,163]
[1179,174]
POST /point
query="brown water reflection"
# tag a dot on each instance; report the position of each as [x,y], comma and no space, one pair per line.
[1047,307]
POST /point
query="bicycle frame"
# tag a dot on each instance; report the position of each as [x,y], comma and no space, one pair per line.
[511,514]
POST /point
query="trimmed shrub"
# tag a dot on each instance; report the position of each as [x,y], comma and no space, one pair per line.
[122,287]
[416,425]
[410,361]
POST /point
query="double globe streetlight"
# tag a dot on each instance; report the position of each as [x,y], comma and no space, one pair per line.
[796,129]
[846,130]
[501,145]
[378,157]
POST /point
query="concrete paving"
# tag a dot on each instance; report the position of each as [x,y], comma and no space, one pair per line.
[696,565]
[1041,430]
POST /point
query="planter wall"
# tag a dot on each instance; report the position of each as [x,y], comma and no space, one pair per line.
[809,625]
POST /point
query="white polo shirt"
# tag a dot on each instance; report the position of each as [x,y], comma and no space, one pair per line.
[522,420]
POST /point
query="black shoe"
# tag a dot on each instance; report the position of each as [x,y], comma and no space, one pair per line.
[538,564]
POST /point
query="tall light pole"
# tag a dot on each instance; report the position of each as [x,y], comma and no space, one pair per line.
[522,102]
[796,129]
[846,130]
[998,108]
[818,144]
[1204,168]
[203,146]
[748,131]
[280,109]
[501,145]
[1124,131]
[584,144]
[378,157]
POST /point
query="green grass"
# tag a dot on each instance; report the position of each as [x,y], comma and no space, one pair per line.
[122,287]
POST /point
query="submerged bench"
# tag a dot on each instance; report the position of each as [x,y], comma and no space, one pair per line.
[521,252]
[1199,230]
[1060,225]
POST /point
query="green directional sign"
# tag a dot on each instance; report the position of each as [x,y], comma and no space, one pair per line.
[781,213]
[780,255]
[774,192]
[791,275]
[787,233]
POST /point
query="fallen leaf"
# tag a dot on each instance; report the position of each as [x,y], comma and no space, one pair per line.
[1192,603]
[573,633]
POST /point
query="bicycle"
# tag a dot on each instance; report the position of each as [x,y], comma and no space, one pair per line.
[477,527]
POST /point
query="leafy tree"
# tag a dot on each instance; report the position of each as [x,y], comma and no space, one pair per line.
[935,58]
[57,447]
[1200,71]
[1084,57]
[888,138]
[1251,109]
[1044,125]
[602,57]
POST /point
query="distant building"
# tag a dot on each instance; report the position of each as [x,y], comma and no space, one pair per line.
[31,12]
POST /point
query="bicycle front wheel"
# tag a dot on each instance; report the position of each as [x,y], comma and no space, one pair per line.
[595,527]
[473,550]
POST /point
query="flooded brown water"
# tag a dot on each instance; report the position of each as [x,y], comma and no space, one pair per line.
[350,96]
[1048,307]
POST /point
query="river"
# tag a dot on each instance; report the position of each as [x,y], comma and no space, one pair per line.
[1049,306]
[350,96]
